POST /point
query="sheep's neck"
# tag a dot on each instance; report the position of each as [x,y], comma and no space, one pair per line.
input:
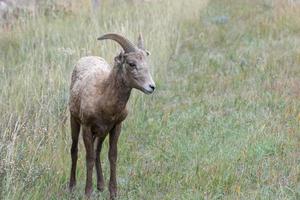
[117,92]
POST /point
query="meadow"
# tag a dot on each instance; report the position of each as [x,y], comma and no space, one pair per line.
[224,122]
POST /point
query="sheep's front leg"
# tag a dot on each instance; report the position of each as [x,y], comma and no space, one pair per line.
[112,156]
[100,179]
[90,158]
[75,129]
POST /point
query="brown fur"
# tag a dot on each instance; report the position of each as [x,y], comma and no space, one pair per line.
[98,99]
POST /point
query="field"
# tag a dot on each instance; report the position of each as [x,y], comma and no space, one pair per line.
[224,122]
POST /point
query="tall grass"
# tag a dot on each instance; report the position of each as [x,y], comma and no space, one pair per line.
[223,124]
[37,56]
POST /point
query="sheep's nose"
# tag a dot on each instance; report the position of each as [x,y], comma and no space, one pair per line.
[152,87]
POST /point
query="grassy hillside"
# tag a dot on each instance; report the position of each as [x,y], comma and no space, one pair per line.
[224,122]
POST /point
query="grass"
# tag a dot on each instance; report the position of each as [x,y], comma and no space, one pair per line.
[223,124]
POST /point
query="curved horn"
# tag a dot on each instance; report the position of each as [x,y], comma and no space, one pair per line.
[125,43]
[140,42]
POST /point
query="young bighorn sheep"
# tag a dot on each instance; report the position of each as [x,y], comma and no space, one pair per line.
[98,99]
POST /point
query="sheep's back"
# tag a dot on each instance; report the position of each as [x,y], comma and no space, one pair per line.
[88,73]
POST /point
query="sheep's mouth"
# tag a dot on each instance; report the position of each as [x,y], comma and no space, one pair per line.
[147,91]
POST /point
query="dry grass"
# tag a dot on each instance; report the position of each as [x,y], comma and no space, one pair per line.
[223,124]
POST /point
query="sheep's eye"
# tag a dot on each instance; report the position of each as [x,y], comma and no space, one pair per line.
[132,64]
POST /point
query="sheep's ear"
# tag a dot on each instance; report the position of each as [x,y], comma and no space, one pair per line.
[120,58]
[140,43]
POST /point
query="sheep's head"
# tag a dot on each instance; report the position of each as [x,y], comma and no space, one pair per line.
[134,63]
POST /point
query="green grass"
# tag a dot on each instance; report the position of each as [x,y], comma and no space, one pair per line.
[224,122]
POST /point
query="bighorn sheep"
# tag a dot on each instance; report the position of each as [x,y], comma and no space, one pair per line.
[98,98]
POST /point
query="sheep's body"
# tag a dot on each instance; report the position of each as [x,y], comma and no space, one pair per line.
[92,101]
[98,98]
[87,73]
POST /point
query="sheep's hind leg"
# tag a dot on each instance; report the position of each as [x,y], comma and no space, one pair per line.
[75,129]
[100,179]
[112,156]
[88,140]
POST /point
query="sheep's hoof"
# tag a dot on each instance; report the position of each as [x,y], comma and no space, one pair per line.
[113,196]
[88,193]
[72,186]
[113,193]
[100,187]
